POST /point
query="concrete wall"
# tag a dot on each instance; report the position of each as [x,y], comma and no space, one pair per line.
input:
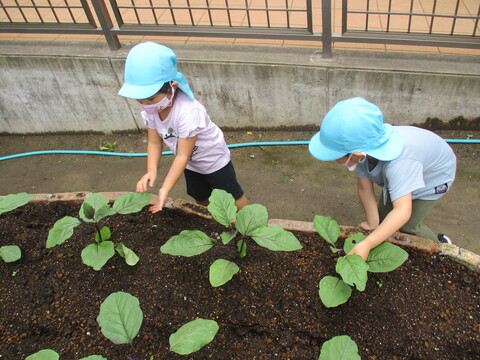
[69,87]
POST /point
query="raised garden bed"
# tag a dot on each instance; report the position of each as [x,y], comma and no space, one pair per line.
[426,309]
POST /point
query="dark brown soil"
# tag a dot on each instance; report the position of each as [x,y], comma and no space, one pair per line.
[426,309]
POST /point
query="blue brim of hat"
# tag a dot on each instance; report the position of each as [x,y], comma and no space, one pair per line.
[142,92]
[321,152]
[389,150]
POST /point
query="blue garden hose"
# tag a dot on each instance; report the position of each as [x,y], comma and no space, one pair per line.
[265,143]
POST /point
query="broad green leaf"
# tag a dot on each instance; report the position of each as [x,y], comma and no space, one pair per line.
[105,234]
[222,207]
[333,291]
[353,270]
[386,257]
[187,243]
[250,218]
[96,200]
[94,357]
[131,202]
[129,255]
[97,255]
[61,231]
[227,236]
[222,271]
[276,238]
[120,317]
[10,253]
[352,241]
[339,348]
[103,212]
[327,228]
[242,248]
[45,354]
[13,201]
[193,336]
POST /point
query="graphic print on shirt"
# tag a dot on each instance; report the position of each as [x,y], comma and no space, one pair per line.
[169,134]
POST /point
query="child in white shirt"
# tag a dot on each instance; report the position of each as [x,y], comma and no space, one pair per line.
[175,118]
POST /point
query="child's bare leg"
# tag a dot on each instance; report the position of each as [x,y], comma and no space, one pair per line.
[241,202]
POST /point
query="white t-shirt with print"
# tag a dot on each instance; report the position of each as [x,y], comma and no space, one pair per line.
[188,118]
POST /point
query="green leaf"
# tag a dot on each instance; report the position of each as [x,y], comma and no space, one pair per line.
[193,336]
[222,271]
[339,348]
[242,248]
[45,354]
[61,231]
[353,270]
[227,236]
[94,357]
[100,206]
[10,253]
[129,255]
[334,249]
[131,202]
[327,228]
[105,234]
[97,255]
[333,291]
[250,218]
[13,201]
[222,207]
[386,257]
[187,243]
[276,238]
[353,240]
[120,317]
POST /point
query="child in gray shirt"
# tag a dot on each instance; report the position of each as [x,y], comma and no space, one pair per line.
[415,168]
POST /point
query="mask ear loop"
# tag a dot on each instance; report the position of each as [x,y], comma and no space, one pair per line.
[173,93]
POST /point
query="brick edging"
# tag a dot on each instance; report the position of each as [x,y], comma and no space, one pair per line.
[463,256]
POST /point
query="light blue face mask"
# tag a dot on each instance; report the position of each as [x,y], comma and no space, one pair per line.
[354,166]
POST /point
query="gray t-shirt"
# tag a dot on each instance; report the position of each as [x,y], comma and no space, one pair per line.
[426,167]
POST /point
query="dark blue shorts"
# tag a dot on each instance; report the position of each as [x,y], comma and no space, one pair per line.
[200,186]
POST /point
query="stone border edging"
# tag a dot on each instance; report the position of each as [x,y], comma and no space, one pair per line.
[463,256]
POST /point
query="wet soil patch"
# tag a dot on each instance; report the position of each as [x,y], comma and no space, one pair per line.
[426,309]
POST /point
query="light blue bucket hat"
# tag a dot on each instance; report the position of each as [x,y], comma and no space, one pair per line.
[355,125]
[150,65]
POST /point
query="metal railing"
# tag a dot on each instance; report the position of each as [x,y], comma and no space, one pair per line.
[406,22]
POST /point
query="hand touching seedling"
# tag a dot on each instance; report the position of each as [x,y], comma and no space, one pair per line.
[250,222]
[94,209]
[352,269]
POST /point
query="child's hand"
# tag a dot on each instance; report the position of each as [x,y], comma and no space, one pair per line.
[366,226]
[362,249]
[148,178]
[162,199]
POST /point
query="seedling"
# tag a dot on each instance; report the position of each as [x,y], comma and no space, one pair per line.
[248,223]
[108,146]
[339,347]
[121,317]
[353,270]
[94,209]
[12,253]
[48,354]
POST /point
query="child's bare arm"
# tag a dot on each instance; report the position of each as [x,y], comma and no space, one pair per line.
[367,198]
[400,214]
[184,151]
[154,154]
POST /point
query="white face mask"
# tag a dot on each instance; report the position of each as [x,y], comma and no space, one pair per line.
[354,166]
[159,106]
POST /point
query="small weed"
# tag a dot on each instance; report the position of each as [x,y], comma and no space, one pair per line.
[469,136]
[108,146]
[275,162]
[285,179]
[379,284]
